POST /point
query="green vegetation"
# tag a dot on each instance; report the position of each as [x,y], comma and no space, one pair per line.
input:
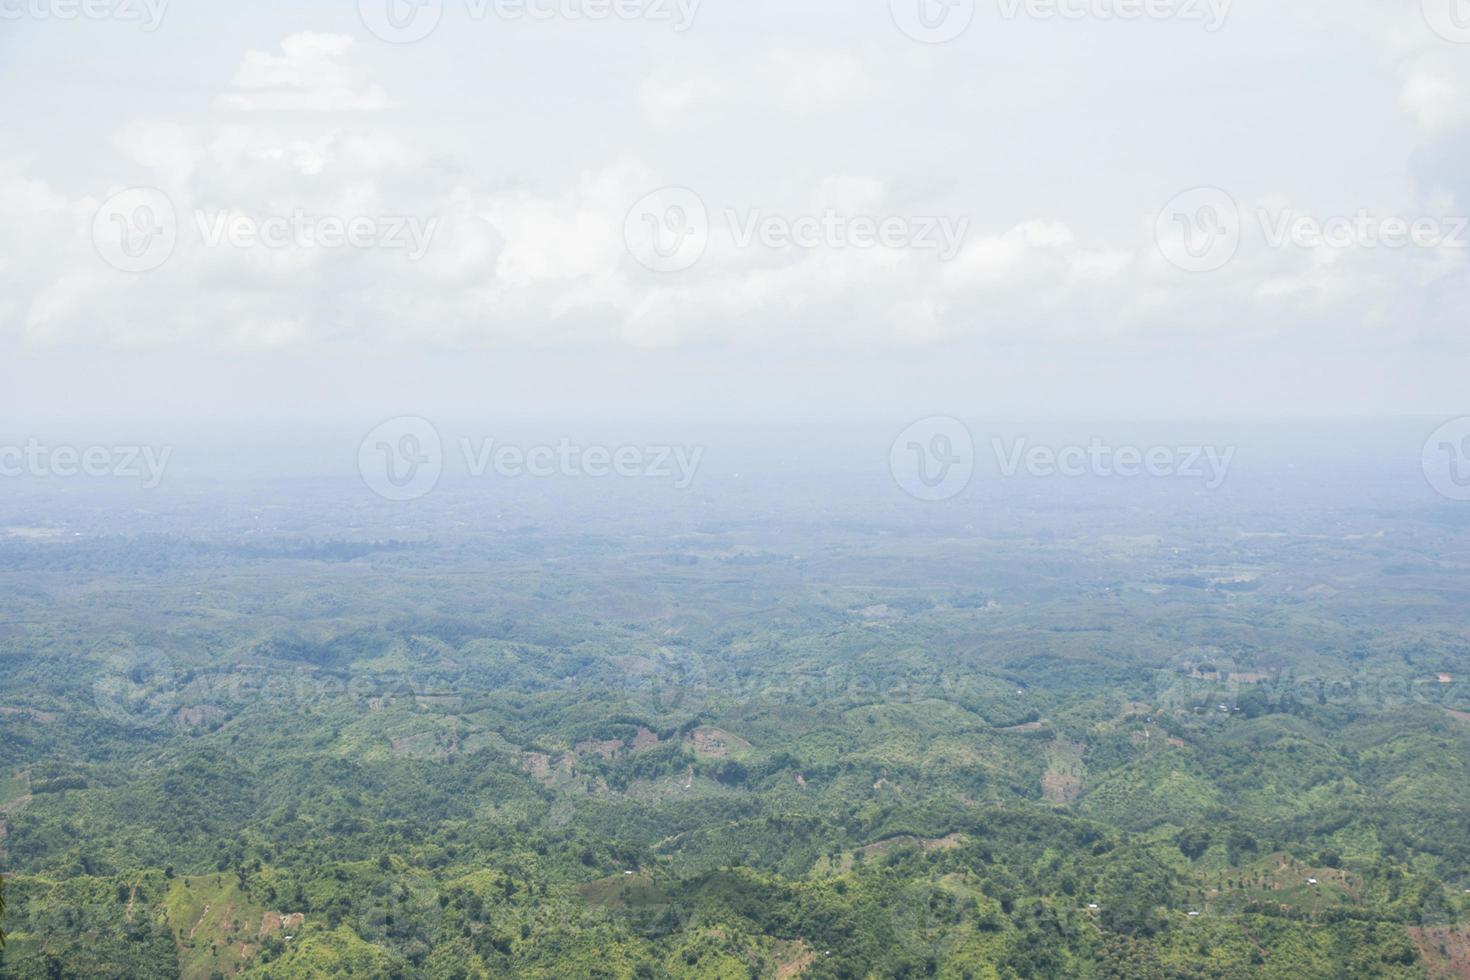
[910,752]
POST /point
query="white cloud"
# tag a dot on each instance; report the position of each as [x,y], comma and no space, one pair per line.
[310,74]
[1437,103]
[793,79]
[529,247]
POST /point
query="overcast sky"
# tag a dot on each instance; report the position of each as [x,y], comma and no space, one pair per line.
[862,219]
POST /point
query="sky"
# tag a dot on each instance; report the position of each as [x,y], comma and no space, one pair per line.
[757,209]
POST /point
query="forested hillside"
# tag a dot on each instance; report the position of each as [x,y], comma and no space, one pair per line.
[738,748]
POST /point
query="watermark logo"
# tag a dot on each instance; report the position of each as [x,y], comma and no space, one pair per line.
[1199,680]
[942,234]
[668,230]
[148,13]
[400,21]
[1211,13]
[1361,230]
[1098,458]
[402,459]
[933,21]
[1450,19]
[136,230]
[1446,460]
[1199,230]
[137,688]
[303,230]
[409,21]
[933,459]
[570,460]
[146,464]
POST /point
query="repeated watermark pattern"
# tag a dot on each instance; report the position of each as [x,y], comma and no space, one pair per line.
[303,230]
[1450,19]
[933,21]
[1214,684]
[147,465]
[1210,464]
[403,459]
[1211,14]
[1446,459]
[147,14]
[942,21]
[137,230]
[935,459]
[669,230]
[410,21]
[1201,230]
[1362,229]
[144,687]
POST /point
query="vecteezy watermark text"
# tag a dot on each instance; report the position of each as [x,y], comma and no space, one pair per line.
[403,459]
[137,230]
[568,459]
[301,229]
[148,14]
[147,464]
[1097,458]
[1202,229]
[935,459]
[409,21]
[1211,13]
[1361,230]
[943,234]
[670,230]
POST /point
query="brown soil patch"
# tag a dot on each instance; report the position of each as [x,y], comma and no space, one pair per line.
[17,804]
[1451,964]
[1030,726]
[202,916]
[274,922]
[645,739]
[792,959]
[1061,788]
[717,744]
[925,844]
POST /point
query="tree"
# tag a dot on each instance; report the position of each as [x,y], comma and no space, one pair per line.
[1193,843]
[2,911]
